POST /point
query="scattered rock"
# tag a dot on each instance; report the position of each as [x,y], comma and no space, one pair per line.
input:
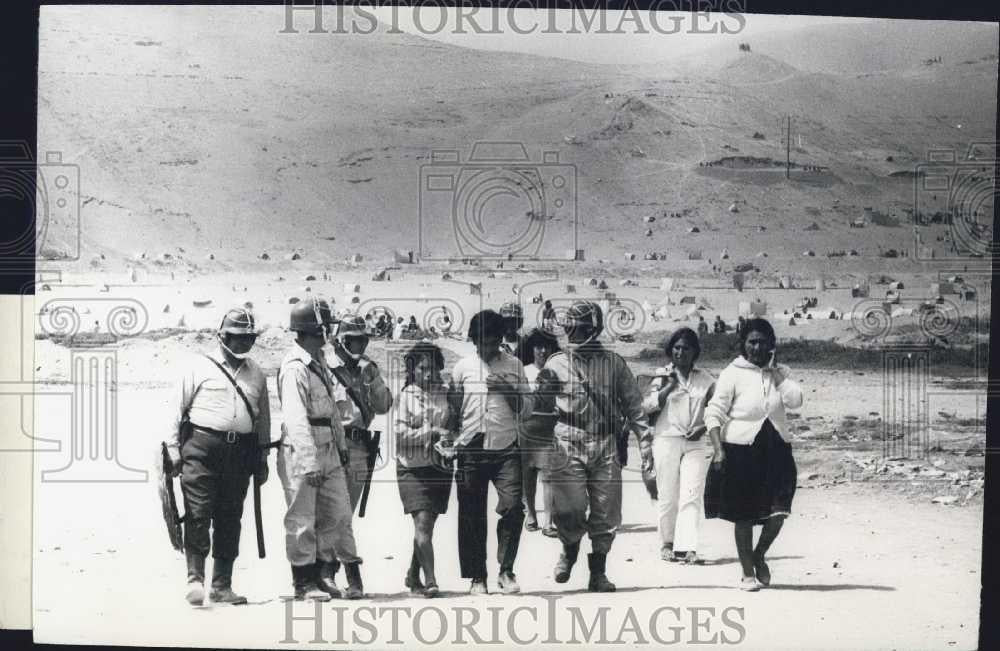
[808,476]
[945,499]
[836,564]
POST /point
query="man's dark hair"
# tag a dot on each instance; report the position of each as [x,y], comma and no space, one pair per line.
[485,324]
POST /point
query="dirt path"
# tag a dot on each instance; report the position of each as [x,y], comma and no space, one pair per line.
[854,568]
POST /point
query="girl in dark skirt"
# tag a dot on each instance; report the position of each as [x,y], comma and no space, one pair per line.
[752,478]
[422,475]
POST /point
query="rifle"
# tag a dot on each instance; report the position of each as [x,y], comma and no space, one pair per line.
[372,458]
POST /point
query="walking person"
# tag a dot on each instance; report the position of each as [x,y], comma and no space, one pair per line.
[318,528]
[681,452]
[513,321]
[423,476]
[753,474]
[596,397]
[369,396]
[536,432]
[491,396]
[219,435]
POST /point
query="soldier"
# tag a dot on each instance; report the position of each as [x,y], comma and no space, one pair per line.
[318,530]
[369,396]
[592,389]
[219,436]
[513,320]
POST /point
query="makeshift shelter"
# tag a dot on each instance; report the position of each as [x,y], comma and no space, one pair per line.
[293,300]
[570,289]
[896,285]
[820,284]
[602,285]
[649,219]
[309,278]
[446,276]
[880,219]
[748,309]
[956,280]
[809,253]
[968,294]
[666,284]
[694,229]
[649,232]
[688,300]
[940,289]
[202,303]
[355,299]
[351,288]
[592,282]
[293,256]
[403,257]
[891,297]
[265,256]
[738,281]
[859,290]
[724,255]
[475,289]
[741,268]
[576,255]
[630,256]
[628,282]
[381,276]
[733,207]
[356,258]
[785,282]
[694,255]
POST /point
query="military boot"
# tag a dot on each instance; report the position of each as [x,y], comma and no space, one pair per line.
[598,579]
[566,561]
[222,583]
[304,582]
[327,579]
[196,579]
[355,590]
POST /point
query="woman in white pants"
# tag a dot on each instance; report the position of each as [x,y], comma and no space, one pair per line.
[681,454]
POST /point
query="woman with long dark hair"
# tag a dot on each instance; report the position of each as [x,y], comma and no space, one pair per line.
[752,479]
[423,476]
[536,431]
[681,454]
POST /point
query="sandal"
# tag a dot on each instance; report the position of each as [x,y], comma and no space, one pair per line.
[531,525]
[749,584]
[691,558]
[414,584]
[550,532]
[431,590]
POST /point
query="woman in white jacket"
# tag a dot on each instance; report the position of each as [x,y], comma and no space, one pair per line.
[752,479]
[681,454]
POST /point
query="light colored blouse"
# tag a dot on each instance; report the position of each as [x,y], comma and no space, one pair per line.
[684,406]
[418,416]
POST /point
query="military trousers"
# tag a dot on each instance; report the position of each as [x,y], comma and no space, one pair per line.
[585,481]
[215,476]
[318,520]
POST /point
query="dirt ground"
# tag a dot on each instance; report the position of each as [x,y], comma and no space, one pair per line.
[860,564]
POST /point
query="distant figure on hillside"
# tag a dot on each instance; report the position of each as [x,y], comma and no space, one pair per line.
[742,324]
[720,325]
[702,327]
[412,325]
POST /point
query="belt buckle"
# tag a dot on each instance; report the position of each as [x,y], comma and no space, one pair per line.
[231,436]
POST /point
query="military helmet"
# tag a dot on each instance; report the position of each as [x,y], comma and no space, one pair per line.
[310,316]
[352,325]
[511,310]
[584,313]
[238,321]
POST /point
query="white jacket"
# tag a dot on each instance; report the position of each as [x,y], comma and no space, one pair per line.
[745,396]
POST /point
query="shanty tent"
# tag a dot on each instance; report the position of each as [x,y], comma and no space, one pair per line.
[809,253]
[733,207]
[592,282]
[293,256]
[403,257]
[724,255]
[785,282]
[694,229]
[446,276]
[752,309]
[575,255]
[940,289]
[309,277]
[381,275]
[956,280]
[738,281]
[307,289]
[628,282]
[649,232]
[694,255]
[602,285]
[356,258]
[265,256]
[746,266]
[891,297]
[629,256]
[762,254]
[882,219]
[688,300]
[649,219]
[475,289]
[859,291]
[355,299]
[896,285]
[202,302]
[351,288]
[570,289]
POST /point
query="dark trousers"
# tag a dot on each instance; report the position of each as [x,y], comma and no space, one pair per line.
[215,476]
[476,469]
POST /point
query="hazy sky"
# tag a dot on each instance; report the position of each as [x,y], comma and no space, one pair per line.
[634,38]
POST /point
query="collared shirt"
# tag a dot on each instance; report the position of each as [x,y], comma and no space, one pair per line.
[487,411]
[683,409]
[308,390]
[368,385]
[418,416]
[211,400]
[607,375]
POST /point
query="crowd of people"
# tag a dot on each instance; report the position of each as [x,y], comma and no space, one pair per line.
[519,409]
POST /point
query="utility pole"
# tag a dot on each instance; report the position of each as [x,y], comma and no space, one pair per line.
[788,147]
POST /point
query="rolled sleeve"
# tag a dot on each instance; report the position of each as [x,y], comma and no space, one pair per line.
[381,397]
[651,404]
[717,409]
[791,392]
[183,395]
[295,396]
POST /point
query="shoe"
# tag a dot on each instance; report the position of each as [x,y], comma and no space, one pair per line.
[326,579]
[550,532]
[196,579]
[355,589]
[478,586]
[531,524]
[508,583]
[667,552]
[762,571]
[566,560]
[222,583]
[304,582]
[415,585]
[749,584]
[691,558]
[598,579]
[431,590]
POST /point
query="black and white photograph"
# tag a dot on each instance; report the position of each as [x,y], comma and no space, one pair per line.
[375,326]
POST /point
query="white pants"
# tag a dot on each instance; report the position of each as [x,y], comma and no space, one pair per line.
[681,469]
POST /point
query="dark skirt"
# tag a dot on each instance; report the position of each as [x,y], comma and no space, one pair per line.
[424,488]
[756,481]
